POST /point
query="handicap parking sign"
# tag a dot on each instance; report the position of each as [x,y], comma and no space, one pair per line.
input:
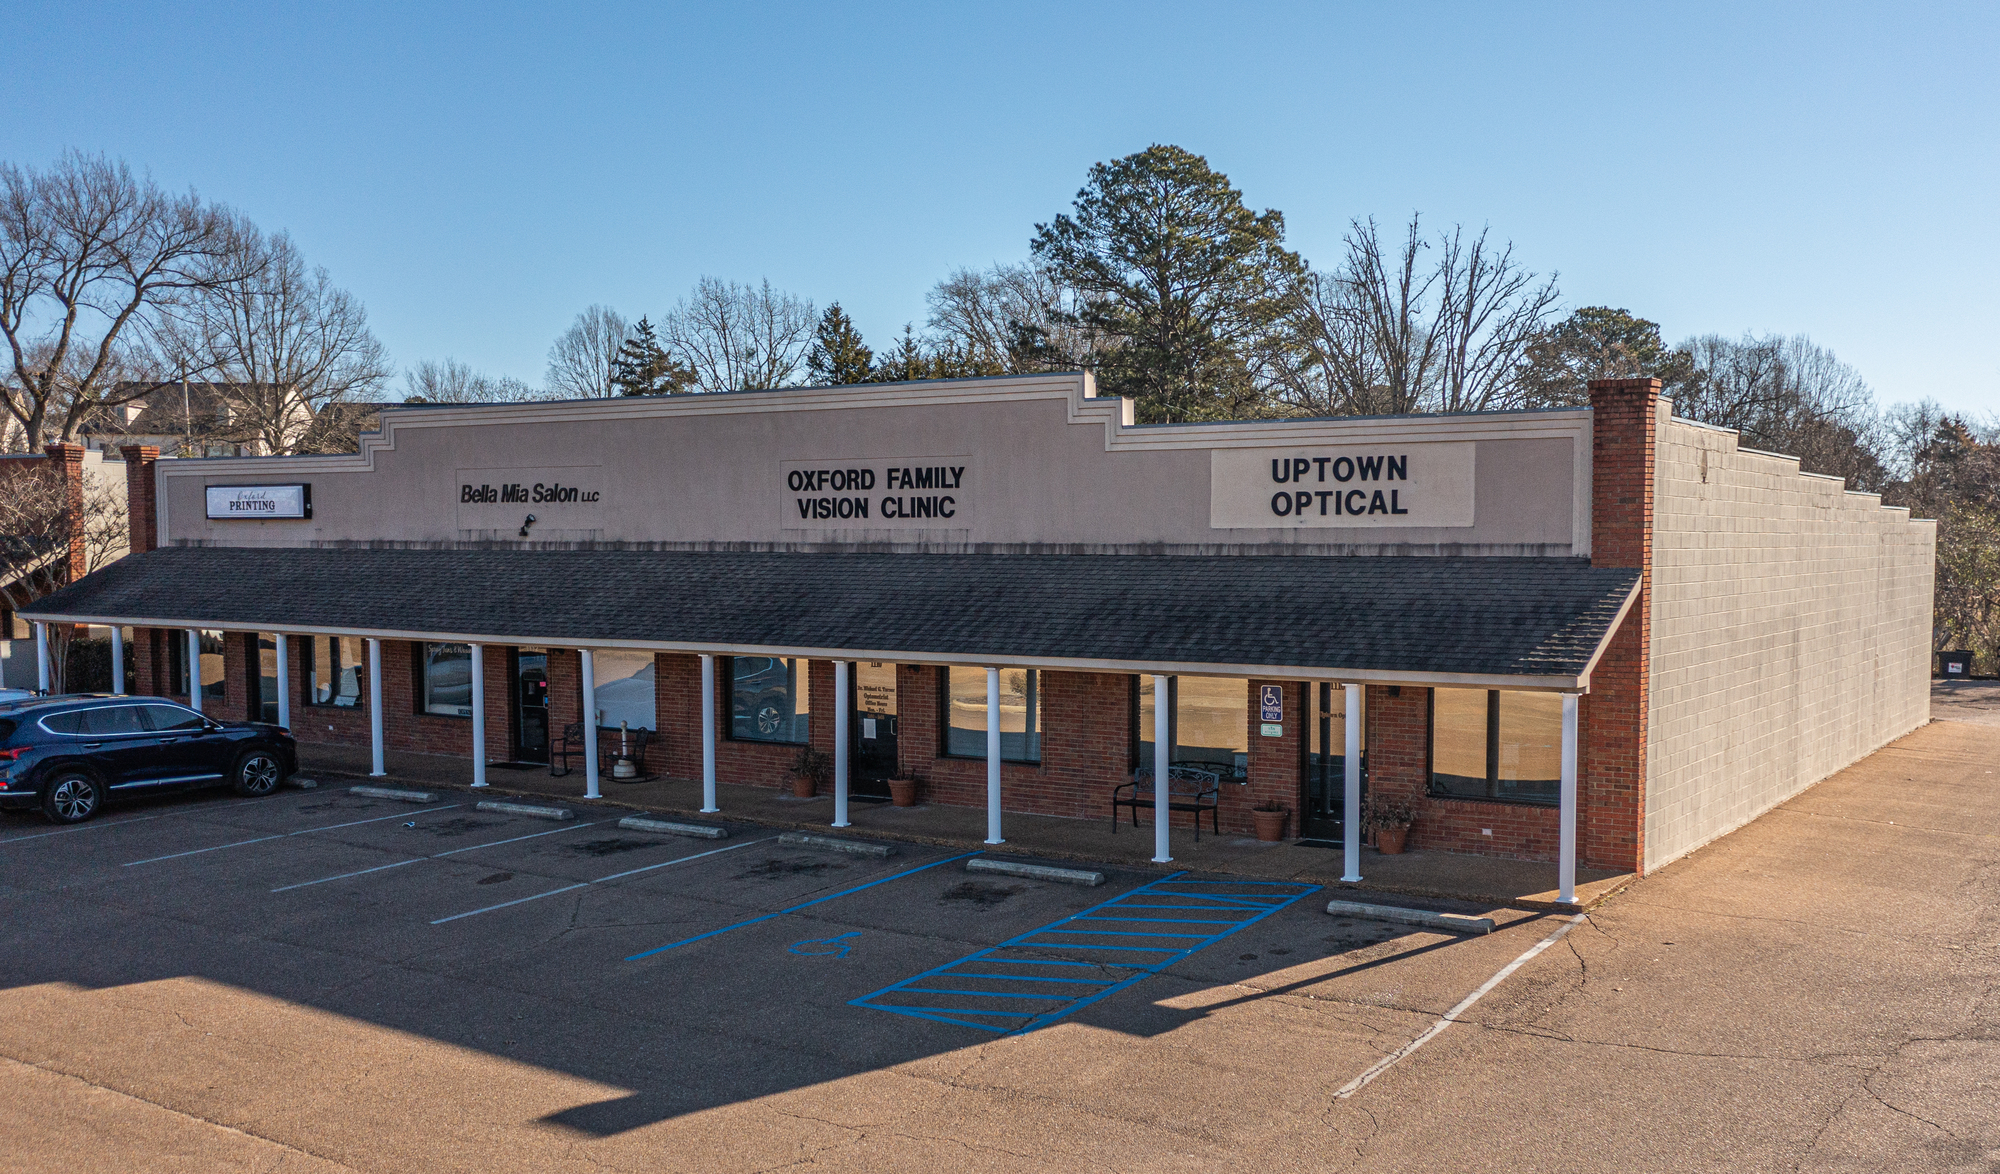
[1272,702]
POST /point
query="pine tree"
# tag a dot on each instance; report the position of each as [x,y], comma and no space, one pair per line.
[643,367]
[838,355]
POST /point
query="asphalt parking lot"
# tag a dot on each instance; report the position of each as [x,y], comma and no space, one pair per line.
[319,981]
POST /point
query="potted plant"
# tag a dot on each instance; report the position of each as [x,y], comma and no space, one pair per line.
[1390,820]
[1270,817]
[811,770]
[903,790]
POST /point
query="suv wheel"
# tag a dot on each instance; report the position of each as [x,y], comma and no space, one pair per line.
[72,797]
[257,773]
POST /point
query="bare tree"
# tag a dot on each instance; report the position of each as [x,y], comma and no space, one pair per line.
[284,343]
[451,382]
[1012,319]
[53,532]
[582,357]
[1786,395]
[89,256]
[1387,333]
[739,337]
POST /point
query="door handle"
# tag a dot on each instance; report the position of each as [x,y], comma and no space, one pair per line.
[92,745]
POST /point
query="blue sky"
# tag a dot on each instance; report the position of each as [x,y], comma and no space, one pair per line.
[479,173]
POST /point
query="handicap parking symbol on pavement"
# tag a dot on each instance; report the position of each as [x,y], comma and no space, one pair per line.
[833,945]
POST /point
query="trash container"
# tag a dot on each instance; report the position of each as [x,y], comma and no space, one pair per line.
[1955,664]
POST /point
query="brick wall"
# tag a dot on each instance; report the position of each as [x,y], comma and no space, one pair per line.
[141,461]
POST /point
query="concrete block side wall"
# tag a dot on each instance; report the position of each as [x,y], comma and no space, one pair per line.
[1791,626]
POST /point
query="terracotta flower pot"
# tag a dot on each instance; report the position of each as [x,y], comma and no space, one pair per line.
[802,786]
[1389,841]
[1270,825]
[903,792]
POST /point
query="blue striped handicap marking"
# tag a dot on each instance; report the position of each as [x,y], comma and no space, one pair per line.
[1041,976]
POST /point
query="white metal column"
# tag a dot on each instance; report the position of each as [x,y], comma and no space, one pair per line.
[478,715]
[194,669]
[1163,731]
[1350,810]
[708,733]
[117,660]
[41,657]
[1566,850]
[284,670]
[841,712]
[378,767]
[590,790]
[993,757]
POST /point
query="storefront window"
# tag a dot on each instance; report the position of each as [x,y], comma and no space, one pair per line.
[214,680]
[770,699]
[624,682]
[1020,714]
[334,665]
[267,677]
[1210,719]
[1495,744]
[447,680]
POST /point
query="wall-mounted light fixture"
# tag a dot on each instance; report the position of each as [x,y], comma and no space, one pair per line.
[526,524]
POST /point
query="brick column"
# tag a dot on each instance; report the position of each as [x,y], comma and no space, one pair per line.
[141,461]
[1613,716]
[67,460]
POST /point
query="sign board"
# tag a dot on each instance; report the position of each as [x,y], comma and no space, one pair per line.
[568,497]
[1271,701]
[877,493]
[258,503]
[1273,730]
[1352,486]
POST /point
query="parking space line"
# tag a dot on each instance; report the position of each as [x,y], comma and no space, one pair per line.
[1450,1017]
[602,879]
[437,856]
[282,835]
[85,828]
[794,909]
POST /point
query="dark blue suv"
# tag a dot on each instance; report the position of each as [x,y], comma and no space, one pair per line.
[69,754]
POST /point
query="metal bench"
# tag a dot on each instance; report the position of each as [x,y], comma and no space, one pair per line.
[1188,789]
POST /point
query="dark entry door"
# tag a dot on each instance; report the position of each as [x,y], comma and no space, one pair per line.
[873,730]
[1326,763]
[531,706]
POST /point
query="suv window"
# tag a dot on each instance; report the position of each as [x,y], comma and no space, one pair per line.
[64,723]
[6,729]
[170,717]
[112,719]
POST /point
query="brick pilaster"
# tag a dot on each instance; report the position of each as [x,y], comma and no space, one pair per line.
[1613,715]
[66,459]
[141,461]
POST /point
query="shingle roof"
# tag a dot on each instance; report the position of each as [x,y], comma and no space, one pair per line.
[1388,616]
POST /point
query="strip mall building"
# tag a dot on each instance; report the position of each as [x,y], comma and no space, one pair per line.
[1606,621]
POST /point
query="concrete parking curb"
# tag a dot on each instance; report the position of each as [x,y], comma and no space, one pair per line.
[638,823]
[528,809]
[394,793]
[835,844]
[1448,922]
[1046,872]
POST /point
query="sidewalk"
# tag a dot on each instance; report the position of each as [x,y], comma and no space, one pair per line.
[1481,881]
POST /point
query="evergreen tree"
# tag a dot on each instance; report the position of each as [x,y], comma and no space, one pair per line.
[838,356]
[1187,283]
[643,367]
[906,362]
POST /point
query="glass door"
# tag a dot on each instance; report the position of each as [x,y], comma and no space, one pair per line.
[1326,762]
[531,705]
[873,730]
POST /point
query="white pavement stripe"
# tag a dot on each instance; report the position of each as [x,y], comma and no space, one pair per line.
[1450,1017]
[435,856]
[282,835]
[600,880]
[89,827]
